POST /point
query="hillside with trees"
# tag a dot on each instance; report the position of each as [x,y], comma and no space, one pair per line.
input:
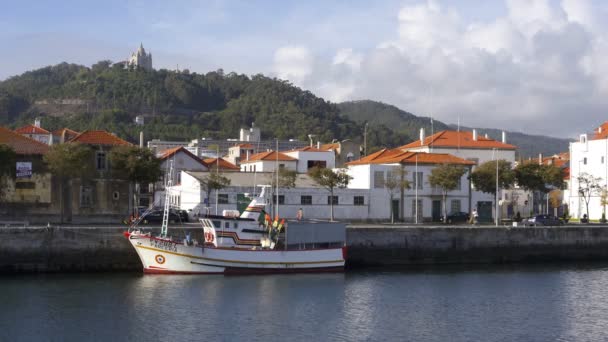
[405,123]
[180,105]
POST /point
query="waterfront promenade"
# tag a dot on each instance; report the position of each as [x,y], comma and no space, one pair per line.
[104,248]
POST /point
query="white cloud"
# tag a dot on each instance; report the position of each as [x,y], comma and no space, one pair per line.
[540,67]
[294,63]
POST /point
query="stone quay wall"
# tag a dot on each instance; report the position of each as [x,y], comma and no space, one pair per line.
[79,248]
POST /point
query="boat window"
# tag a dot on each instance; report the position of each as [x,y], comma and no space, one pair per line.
[236,225]
[226,224]
[217,224]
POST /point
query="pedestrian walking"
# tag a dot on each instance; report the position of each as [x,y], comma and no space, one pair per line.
[299,214]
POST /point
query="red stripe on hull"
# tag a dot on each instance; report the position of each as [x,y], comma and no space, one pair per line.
[163,271]
[253,271]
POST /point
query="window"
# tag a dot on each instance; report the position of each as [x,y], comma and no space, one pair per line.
[116,196]
[25,185]
[459,185]
[331,199]
[316,163]
[281,199]
[222,198]
[86,196]
[226,225]
[455,206]
[281,166]
[100,161]
[359,200]
[306,200]
[602,159]
[378,179]
[417,180]
[585,161]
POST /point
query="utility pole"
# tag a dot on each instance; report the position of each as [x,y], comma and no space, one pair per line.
[365,140]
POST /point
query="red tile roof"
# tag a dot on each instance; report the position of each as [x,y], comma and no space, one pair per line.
[386,156]
[31,129]
[68,132]
[99,138]
[268,156]
[244,145]
[307,149]
[330,147]
[458,139]
[601,132]
[172,151]
[223,164]
[21,144]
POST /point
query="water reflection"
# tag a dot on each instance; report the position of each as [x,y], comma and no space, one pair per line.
[532,303]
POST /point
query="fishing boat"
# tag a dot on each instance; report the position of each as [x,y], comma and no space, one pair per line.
[248,243]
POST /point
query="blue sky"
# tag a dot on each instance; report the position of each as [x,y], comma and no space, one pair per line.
[527,65]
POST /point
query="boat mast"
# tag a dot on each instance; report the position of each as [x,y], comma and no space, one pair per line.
[168,184]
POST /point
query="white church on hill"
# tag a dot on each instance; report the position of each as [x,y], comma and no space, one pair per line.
[140,59]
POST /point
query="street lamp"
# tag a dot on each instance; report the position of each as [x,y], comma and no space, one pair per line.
[365,140]
[496,192]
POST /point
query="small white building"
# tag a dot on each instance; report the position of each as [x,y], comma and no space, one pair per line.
[36,132]
[588,156]
[309,157]
[268,161]
[372,171]
[469,145]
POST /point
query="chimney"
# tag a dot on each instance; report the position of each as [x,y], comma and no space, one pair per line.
[475,135]
[422,136]
[141,139]
[37,122]
[504,137]
[486,135]
[318,144]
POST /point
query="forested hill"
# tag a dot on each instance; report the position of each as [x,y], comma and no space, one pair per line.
[178,105]
[408,124]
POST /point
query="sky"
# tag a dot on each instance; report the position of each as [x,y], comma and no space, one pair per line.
[533,66]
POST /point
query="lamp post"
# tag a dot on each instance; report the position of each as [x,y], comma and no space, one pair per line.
[365,140]
[416,188]
[495,155]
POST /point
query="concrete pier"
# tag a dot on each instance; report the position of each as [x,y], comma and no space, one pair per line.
[102,248]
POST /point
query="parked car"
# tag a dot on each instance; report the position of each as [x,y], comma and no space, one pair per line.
[457,217]
[543,220]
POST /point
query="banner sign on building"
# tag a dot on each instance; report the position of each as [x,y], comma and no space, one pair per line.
[24,169]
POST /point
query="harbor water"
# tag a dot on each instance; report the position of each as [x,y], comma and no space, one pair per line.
[566,302]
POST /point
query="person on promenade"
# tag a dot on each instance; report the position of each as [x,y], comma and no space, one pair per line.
[474,216]
[299,214]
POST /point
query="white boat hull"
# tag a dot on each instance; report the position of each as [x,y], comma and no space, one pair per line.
[164,256]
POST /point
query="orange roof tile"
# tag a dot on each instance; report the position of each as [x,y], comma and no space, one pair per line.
[31,129]
[386,156]
[307,149]
[99,138]
[223,164]
[601,132]
[172,151]
[245,145]
[68,132]
[330,147]
[21,144]
[459,139]
[268,156]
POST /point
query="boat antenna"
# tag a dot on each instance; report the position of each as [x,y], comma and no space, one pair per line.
[168,184]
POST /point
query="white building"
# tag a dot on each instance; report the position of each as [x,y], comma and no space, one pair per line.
[252,134]
[268,161]
[371,172]
[588,155]
[36,132]
[309,157]
[141,59]
[474,147]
